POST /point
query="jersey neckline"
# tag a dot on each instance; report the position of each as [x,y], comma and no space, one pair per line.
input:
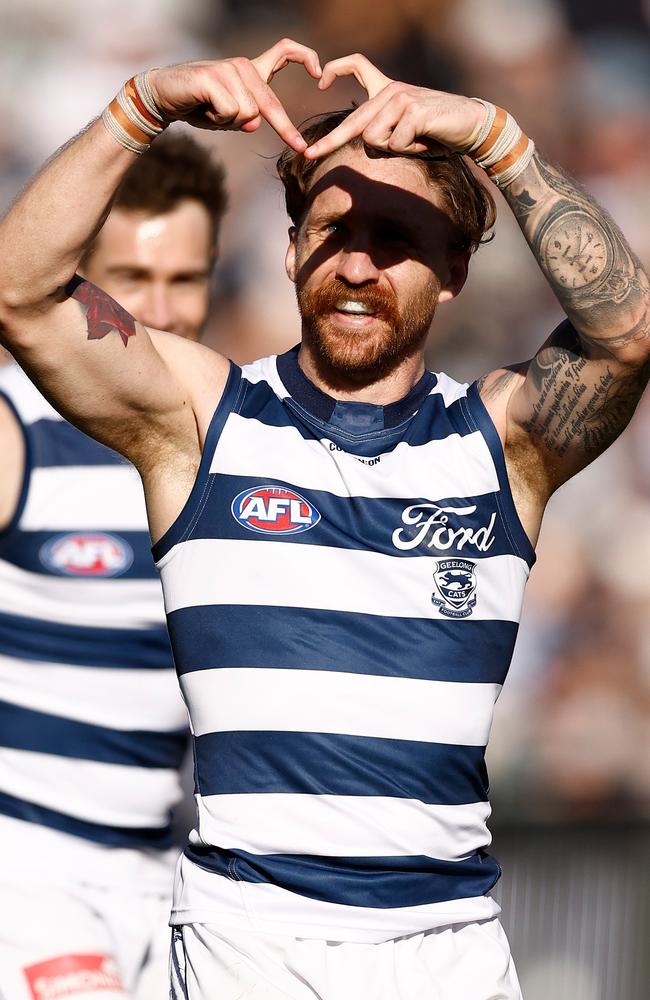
[350,418]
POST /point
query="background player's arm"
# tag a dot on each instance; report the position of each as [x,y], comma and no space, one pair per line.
[12,463]
[98,367]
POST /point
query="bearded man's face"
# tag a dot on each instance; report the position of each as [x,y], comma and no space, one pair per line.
[361,330]
[369,261]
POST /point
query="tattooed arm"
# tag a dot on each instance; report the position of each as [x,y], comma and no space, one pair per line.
[580,390]
[596,277]
[101,369]
[141,392]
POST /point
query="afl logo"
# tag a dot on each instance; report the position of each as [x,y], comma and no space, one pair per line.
[96,554]
[274,510]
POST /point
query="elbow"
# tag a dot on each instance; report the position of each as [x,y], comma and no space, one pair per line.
[13,300]
[625,322]
[9,312]
[20,296]
[17,311]
[10,307]
[30,293]
[627,338]
[16,297]
[633,346]
[636,359]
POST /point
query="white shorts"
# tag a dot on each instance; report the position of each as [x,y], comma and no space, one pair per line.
[82,943]
[63,938]
[459,962]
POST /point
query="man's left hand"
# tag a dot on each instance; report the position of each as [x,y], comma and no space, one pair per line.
[398,117]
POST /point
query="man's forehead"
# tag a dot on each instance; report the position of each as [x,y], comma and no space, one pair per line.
[184,228]
[126,227]
[150,223]
[350,178]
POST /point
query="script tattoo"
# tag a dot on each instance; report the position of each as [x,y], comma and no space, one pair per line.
[103,313]
[572,409]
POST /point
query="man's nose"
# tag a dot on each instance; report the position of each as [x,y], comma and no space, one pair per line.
[356,266]
[158,308]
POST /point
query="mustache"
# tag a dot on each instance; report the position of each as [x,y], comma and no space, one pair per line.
[378,300]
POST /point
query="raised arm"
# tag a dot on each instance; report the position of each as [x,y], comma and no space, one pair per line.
[559,411]
[103,371]
[583,385]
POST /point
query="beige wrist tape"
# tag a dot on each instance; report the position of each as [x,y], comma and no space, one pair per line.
[132,117]
[500,147]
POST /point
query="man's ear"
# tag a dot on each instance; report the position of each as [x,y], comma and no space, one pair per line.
[458,267]
[290,258]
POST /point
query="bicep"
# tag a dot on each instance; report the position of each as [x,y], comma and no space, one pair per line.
[573,403]
[100,369]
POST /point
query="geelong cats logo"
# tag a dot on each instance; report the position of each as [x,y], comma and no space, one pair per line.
[456,583]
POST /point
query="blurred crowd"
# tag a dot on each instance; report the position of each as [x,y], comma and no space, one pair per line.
[572,732]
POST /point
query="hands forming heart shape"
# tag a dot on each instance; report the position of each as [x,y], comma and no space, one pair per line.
[235,94]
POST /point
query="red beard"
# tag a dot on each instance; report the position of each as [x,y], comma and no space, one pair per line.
[366,352]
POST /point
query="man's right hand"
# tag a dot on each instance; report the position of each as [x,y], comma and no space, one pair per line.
[232,94]
[149,397]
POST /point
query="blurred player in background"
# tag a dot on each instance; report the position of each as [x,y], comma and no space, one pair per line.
[344,537]
[92,728]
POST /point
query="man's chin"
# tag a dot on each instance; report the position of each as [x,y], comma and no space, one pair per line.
[360,354]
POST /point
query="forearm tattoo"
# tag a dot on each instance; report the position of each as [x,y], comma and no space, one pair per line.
[585,258]
[103,313]
[585,382]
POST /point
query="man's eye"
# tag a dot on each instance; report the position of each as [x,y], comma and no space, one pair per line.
[332,227]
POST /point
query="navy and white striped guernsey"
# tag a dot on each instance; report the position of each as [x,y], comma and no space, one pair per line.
[343,592]
[92,727]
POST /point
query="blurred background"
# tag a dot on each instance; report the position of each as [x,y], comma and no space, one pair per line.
[570,753]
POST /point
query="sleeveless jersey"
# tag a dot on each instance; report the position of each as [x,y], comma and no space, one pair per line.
[343,591]
[92,727]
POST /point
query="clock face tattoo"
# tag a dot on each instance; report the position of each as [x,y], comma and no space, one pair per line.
[576,250]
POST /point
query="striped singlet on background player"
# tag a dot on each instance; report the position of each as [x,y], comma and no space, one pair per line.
[343,591]
[92,730]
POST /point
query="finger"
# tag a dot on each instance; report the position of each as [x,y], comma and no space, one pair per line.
[223,107]
[241,96]
[406,137]
[396,128]
[365,72]
[272,111]
[281,54]
[351,127]
[379,130]
[253,125]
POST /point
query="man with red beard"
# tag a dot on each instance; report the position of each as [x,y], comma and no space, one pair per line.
[343,537]
[356,329]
